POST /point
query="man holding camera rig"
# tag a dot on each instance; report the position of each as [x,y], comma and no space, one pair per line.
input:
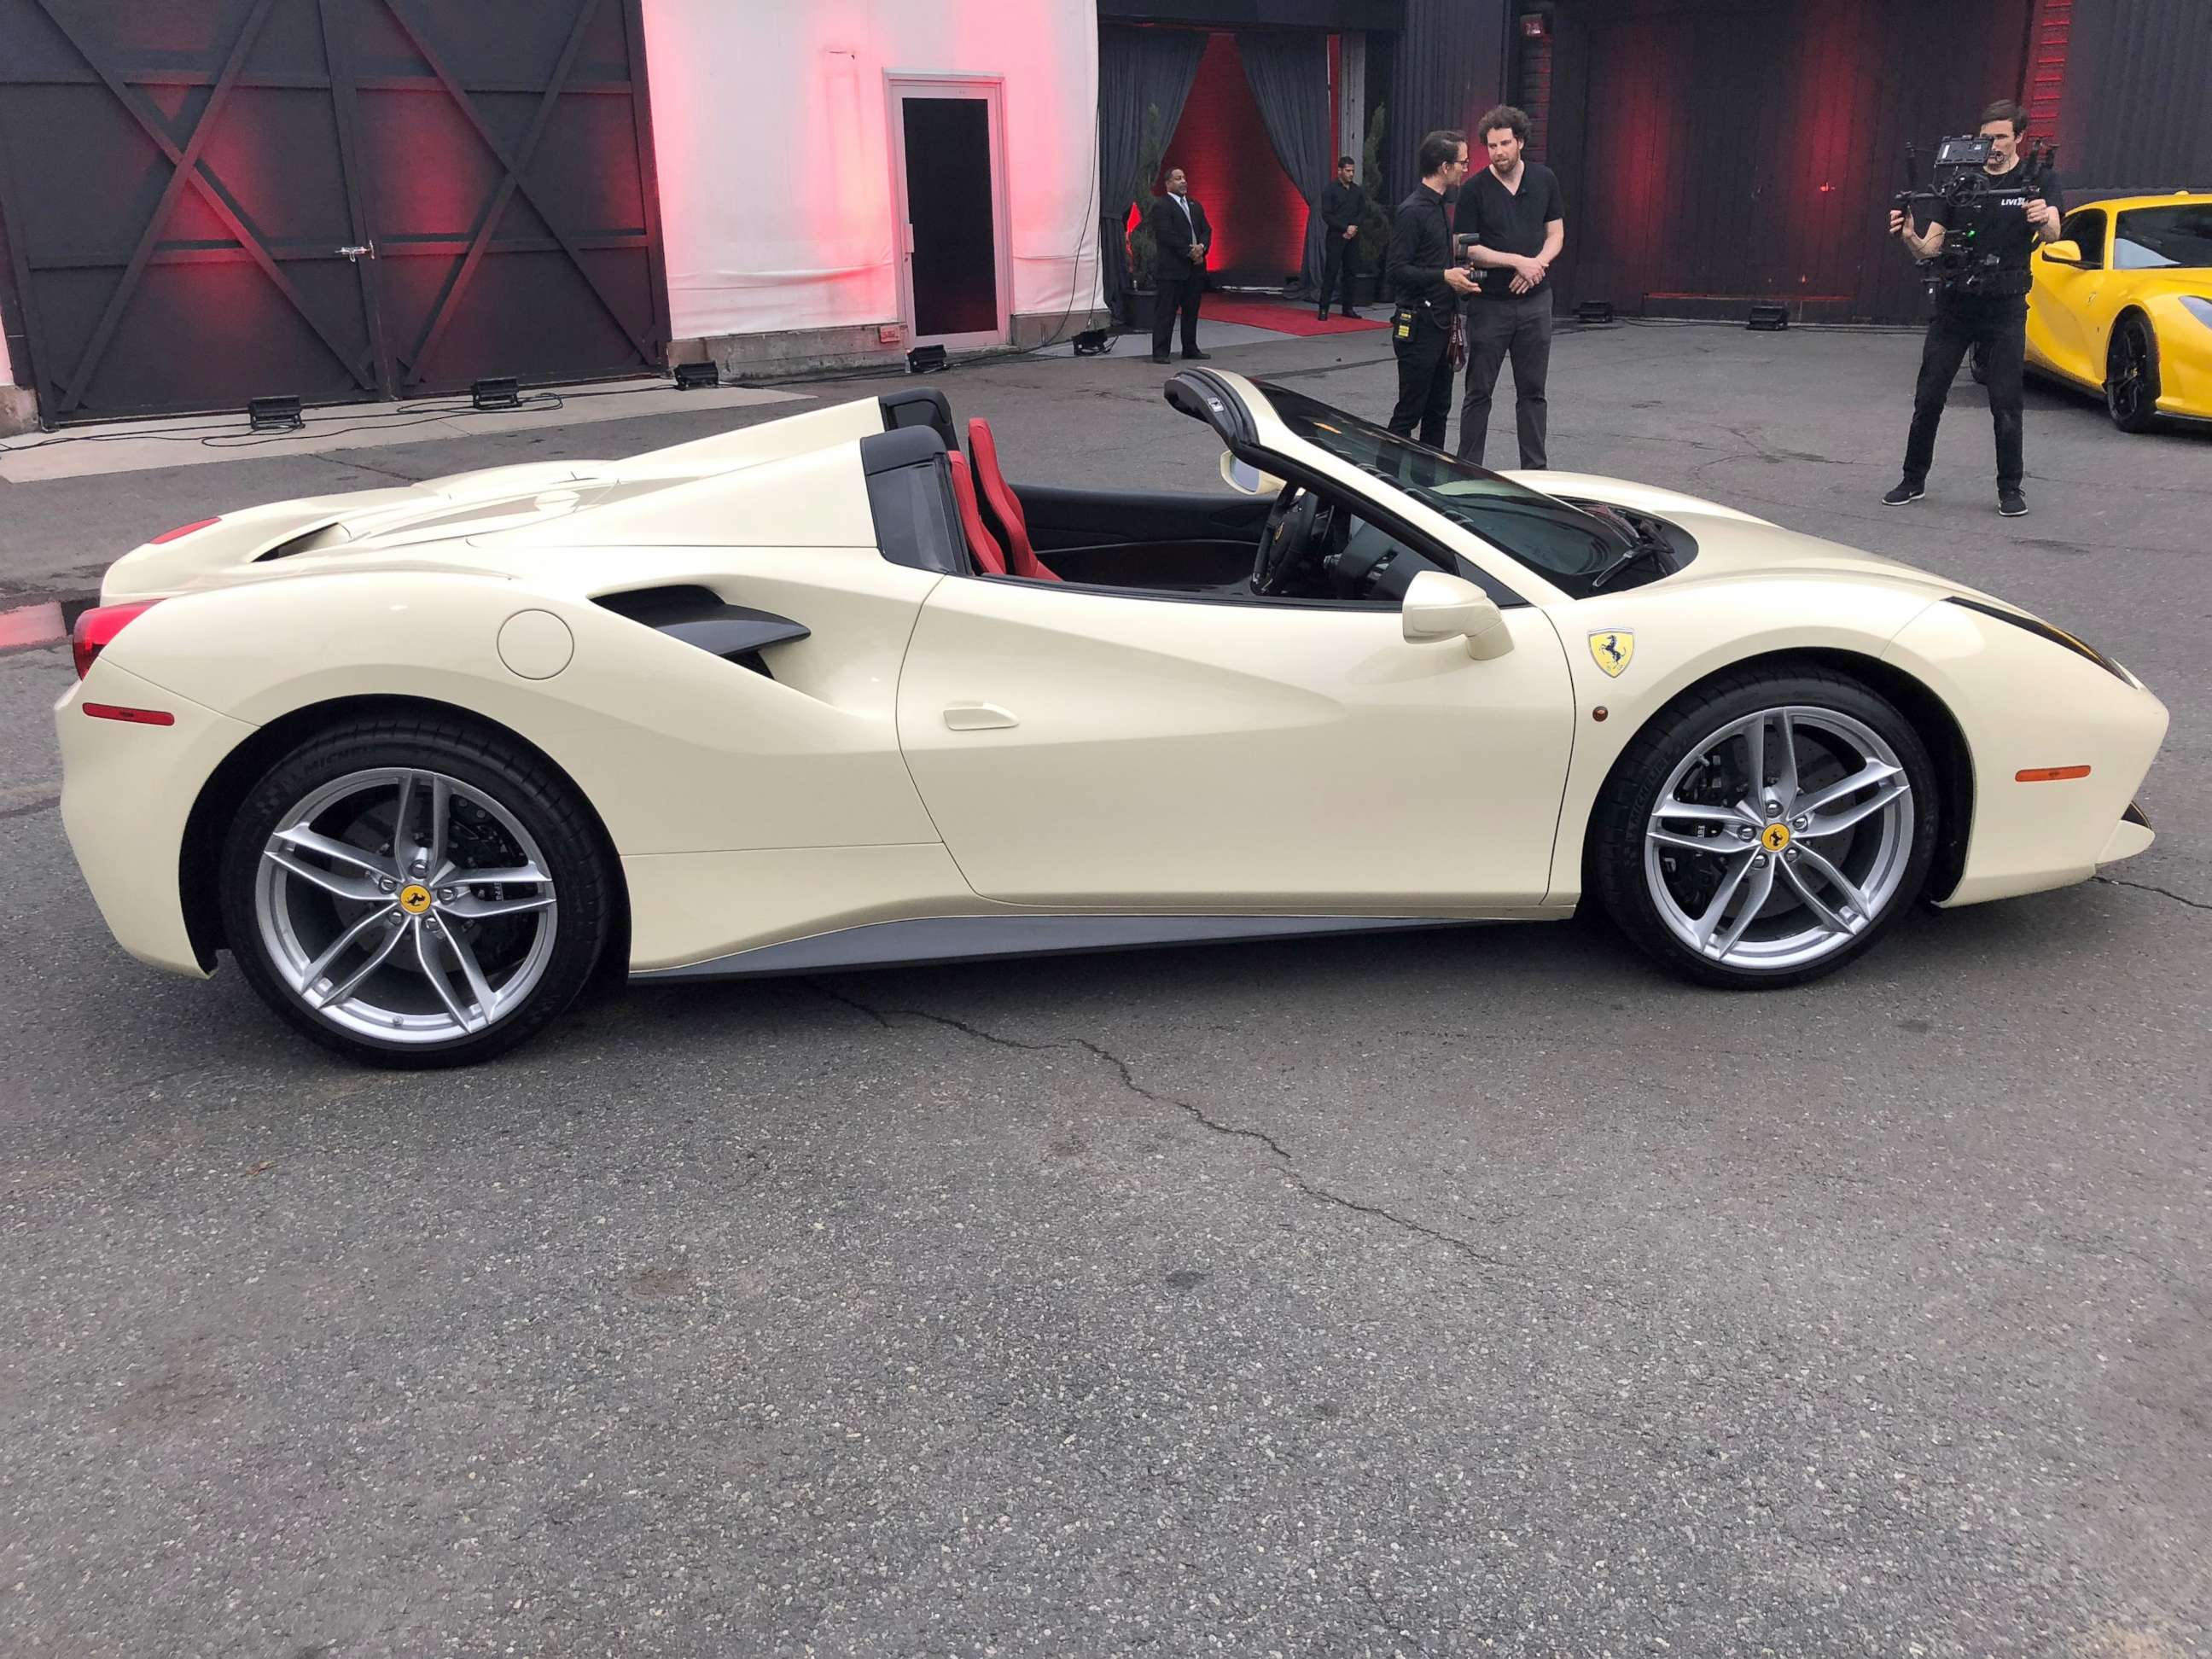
[1981,298]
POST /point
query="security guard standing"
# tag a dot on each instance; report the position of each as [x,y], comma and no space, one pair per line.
[1428,283]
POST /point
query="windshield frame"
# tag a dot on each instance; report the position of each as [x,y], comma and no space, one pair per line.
[1485,517]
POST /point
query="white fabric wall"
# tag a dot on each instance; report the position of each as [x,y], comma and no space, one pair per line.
[770,122]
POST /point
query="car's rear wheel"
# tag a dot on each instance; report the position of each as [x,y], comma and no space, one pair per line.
[414,892]
[1766,830]
[2131,377]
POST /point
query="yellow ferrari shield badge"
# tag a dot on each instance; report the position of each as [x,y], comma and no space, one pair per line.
[1776,838]
[1613,648]
[414,899]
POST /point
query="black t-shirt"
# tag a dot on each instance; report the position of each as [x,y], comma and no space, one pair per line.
[1999,222]
[1420,249]
[1510,221]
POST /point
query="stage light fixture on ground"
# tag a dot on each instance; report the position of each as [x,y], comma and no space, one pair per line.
[273,415]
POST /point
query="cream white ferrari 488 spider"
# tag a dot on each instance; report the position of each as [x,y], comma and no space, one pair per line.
[828,692]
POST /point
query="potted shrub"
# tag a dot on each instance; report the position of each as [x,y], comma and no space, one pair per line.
[1374,217]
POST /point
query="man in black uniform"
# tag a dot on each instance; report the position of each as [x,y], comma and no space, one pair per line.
[1182,236]
[1513,206]
[1992,316]
[1342,202]
[1428,283]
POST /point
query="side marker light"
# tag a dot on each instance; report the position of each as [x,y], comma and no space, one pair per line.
[2049,774]
[110,711]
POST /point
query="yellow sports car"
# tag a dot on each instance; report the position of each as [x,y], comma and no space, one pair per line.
[2122,305]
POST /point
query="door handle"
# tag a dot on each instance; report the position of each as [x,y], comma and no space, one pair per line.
[978,717]
[355,252]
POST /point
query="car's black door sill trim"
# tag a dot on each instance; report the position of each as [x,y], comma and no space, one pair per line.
[961,939]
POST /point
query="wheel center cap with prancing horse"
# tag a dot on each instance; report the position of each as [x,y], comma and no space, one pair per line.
[415,898]
[1775,837]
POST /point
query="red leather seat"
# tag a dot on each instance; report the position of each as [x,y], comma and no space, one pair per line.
[983,546]
[1006,506]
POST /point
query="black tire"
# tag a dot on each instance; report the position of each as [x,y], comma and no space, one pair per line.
[2132,386]
[1617,865]
[567,842]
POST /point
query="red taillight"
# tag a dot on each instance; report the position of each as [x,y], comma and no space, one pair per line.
[96,629]
[183,531]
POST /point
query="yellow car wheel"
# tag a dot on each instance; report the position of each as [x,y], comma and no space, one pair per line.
[2132,376]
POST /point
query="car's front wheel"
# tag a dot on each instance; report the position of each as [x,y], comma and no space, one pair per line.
[2131,377]
[415,892]
[1766,830]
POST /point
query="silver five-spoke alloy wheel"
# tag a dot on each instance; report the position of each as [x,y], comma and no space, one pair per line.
[1779,838]
[405,905]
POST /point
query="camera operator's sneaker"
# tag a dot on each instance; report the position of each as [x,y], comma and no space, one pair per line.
[1906,490]
[2011,504]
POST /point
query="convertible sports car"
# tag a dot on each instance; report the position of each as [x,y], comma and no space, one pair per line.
[828,692]
[2122,304]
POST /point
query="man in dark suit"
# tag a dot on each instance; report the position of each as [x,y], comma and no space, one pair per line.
[1342,202]
[1180,238]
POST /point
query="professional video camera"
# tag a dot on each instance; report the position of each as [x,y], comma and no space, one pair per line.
[1963,199]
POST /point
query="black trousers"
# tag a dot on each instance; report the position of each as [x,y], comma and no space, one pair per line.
[1425,380]
[1173,297]
[1999,328]
[1518,325]
[1339,260]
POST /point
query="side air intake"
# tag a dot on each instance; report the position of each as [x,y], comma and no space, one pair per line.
[698,616]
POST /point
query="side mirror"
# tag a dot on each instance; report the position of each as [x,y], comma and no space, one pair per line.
[2062,253]
[1245,476]
[1441,606]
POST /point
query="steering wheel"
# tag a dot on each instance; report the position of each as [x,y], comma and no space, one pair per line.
[1287,541]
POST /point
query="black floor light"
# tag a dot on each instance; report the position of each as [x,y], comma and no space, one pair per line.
[273,415]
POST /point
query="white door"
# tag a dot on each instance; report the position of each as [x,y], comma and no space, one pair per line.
[1080,747]
[948,188]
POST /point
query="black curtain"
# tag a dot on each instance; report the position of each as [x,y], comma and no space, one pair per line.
[1137,70]
[1289,76]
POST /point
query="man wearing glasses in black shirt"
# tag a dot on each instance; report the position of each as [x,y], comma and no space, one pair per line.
[1513,207]
[1427,282]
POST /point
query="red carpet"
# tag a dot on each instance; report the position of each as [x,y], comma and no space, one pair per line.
[1288,316]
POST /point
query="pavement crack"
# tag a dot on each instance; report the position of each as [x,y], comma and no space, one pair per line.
[1197,1115]
[42,804]
[2145,887]
[820,989]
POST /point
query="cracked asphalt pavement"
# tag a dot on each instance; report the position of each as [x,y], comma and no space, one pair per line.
[1422,1294]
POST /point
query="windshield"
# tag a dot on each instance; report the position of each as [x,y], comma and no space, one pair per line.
[2150,237]
[1565,543]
